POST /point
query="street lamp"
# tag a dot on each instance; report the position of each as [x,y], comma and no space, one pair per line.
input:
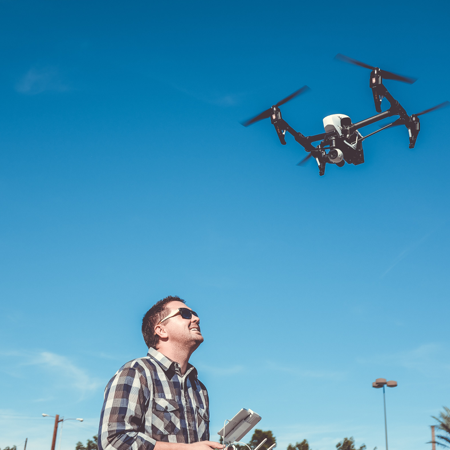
[377,384]
[55,429]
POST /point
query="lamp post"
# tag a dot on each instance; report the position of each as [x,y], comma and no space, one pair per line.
[377,384]
[55,429]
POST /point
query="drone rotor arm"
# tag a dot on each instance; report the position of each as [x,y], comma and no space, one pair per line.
[316,137]
[299,137]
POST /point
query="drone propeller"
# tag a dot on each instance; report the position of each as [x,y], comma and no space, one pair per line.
[441,105]
[384,73]
[304,160]
[268,112]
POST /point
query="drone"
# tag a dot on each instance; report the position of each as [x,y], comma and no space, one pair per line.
[342,142]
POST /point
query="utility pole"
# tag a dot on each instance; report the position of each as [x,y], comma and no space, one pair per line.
[25,446]
[433,438]
[55,430]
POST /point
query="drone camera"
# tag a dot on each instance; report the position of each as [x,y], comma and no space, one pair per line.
[335,155]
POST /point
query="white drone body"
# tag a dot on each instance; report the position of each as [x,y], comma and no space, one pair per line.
[335,122]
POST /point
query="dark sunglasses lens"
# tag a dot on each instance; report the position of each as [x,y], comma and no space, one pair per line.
[187,313]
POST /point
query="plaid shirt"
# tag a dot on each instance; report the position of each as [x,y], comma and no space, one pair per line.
[148,400]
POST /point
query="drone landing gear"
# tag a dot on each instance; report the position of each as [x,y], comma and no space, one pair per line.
[413,130]
[321,165]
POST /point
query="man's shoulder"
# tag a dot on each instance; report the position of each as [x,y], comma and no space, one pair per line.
[203,387]
[143,370]
[141,363]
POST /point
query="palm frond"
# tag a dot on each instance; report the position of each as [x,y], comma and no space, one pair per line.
[438,443]
[444,438]
[444,425]
[443,420]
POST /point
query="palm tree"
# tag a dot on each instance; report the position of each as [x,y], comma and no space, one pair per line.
[349,444]
[444,425]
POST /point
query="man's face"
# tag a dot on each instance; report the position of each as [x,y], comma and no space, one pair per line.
[182,331]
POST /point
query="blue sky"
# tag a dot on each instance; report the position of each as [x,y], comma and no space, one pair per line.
[125,176]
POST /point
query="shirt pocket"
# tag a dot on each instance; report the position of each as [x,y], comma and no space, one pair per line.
[165,416]
[202,418]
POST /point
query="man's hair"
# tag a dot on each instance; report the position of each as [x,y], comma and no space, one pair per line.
[153,316]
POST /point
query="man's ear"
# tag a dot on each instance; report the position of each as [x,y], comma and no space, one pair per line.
[161,332]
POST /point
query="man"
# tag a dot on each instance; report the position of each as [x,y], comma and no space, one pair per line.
[157,402]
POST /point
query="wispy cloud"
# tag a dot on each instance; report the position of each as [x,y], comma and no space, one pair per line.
[409,249]
[63,367]
[36,81]
[78,376]
[324,374]
[108,356]
[223,371]
[427,359]
[15,426]
[212,98]
[42,400]
[424,358]
[205,95]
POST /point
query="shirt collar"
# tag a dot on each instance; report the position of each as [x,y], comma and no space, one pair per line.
[168,364]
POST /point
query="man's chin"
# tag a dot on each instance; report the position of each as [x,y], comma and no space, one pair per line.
[198,340]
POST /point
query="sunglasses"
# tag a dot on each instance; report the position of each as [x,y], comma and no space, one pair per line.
[185,313]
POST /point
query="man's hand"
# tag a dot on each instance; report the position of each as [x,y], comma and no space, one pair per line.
[205,445]
[202,445]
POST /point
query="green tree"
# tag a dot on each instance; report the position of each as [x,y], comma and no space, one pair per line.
[14,447]
[260,435]
[444,425]
[349,444]
[299,446]
[90,445]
